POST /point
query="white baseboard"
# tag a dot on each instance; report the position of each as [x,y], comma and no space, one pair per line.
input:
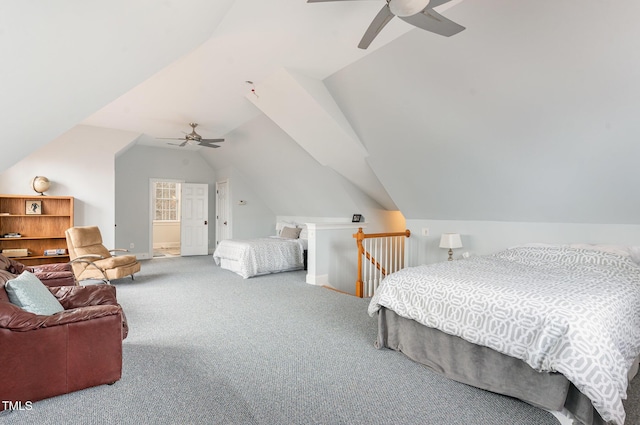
[166,245]
[319,280]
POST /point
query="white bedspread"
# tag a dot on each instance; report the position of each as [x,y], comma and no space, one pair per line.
[559,309]
[261,256]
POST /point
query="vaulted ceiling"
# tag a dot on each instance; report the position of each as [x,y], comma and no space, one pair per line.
[528,114]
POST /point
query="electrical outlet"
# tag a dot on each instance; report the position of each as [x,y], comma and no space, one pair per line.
[425,231]
[131,245]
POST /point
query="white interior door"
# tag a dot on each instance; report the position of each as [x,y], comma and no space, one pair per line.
[194,234]
[223,216]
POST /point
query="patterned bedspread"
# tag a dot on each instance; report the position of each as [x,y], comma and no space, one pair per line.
[261,256]
[560,309]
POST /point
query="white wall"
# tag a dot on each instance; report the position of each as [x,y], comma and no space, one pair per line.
[133,171]
[486,237]
[69,59]
[80,163]
[166,234]
[333,255]
[376,218]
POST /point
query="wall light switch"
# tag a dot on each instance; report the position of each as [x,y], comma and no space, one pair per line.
[131,245]
[425,231]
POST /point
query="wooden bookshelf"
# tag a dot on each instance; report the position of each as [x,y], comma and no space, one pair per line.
[40,231]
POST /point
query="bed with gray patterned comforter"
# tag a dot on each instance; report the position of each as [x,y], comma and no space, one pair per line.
[559,309]
[253,257]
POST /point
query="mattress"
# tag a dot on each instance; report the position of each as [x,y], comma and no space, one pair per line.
[558,309]
[253,257]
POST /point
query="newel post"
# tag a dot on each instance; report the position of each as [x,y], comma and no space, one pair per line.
[359,285]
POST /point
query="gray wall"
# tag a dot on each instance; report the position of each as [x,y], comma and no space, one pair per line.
[486,237]
[285,177]
[253,219]
[539,129]
[134,168]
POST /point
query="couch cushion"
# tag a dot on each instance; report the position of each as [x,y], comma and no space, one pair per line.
[119,261]
[29,293]
[85,236]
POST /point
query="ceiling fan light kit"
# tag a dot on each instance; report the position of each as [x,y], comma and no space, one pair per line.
[193,137]
[407,7]
[418,13]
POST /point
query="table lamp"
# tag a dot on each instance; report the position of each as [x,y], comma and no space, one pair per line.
[450,240]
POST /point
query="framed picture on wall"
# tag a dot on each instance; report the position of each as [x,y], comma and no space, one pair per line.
[357,218]
[33,207]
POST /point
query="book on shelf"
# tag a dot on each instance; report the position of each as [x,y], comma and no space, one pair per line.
[59,251]
[15,252]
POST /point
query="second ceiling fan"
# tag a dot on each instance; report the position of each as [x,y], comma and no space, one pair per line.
[193,137]
[419,13]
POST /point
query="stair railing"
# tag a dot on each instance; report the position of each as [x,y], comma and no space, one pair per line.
[379,254]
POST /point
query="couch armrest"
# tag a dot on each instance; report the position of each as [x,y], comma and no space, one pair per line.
[16,319]
[92,295]
[47,268]
[82,296]
[56,278]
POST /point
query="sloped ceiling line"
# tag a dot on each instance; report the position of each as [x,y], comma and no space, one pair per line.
[306,111]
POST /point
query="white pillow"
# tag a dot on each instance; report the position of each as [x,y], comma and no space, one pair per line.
[633,252]
[304,232]
[612,249]
[535,245]
[29,293]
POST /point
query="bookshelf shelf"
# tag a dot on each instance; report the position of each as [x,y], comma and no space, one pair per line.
[39,232]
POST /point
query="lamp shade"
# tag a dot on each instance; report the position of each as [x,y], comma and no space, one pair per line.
[450,240]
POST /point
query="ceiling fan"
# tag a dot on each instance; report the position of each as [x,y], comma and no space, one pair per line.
[193,137]
[419,13]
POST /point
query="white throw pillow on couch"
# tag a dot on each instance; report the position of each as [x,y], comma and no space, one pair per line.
[30,294]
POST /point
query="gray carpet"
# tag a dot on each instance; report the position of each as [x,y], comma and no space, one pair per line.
[208,347]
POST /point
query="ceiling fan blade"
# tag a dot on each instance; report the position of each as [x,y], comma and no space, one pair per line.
[208,145]
[193,137]
[321,1]
[432,21]
[179,144]
[382,18]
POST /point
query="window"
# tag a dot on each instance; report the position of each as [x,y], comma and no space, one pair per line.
[167,201]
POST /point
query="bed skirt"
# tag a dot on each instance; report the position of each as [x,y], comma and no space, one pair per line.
[483,367]
[236,267]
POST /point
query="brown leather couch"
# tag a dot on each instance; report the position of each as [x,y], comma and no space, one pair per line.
[56,274]
[80,347]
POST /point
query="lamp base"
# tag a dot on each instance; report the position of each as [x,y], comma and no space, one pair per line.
[450,255]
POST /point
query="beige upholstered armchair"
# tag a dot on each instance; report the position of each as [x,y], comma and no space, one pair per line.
[91,260]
